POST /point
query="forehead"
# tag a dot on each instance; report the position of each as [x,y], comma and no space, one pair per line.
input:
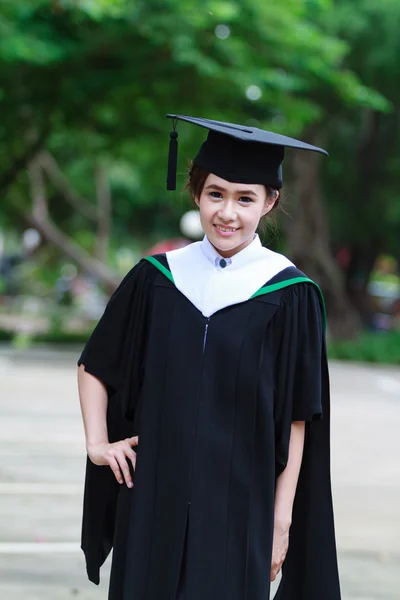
[229,186]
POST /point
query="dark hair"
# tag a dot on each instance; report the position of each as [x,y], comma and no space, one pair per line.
[195,184]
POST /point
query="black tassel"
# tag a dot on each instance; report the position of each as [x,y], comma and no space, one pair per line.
[172,160]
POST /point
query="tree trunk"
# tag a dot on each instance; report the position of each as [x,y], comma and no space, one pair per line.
[362,260]
[371,161]
[57,177]
[12,173]
[38,218]
[76,253]
[309,248]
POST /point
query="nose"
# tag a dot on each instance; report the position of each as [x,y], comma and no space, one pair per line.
[227,212]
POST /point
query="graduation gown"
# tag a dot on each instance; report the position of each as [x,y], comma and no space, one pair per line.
[212,400]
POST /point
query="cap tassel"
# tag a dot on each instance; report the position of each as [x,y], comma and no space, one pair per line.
[172,160]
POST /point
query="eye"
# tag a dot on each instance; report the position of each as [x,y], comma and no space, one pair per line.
[245,200]
[215,195]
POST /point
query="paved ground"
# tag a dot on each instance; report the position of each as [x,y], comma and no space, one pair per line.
[41,472]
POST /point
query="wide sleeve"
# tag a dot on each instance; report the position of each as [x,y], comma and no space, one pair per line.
[298,341]
[104,355]
[115,354]
[310,570]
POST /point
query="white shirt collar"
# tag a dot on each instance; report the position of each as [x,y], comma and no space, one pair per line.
[253,250]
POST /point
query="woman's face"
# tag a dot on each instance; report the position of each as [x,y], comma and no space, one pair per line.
[230,213]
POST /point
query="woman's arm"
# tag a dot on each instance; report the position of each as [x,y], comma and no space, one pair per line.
[94,400]
[284,497]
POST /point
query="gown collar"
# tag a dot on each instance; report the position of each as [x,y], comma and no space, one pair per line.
[211,287]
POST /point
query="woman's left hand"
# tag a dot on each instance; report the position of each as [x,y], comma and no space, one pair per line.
[279,549]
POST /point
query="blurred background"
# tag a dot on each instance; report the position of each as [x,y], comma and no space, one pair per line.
[84,89]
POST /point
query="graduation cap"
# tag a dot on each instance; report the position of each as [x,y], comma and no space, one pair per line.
[237,153]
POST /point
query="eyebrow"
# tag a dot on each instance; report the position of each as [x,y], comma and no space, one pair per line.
[222,189]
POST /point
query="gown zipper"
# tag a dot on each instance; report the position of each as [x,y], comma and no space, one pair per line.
[205,335]
[198,401]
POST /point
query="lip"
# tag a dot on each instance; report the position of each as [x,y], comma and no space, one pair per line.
[224,233]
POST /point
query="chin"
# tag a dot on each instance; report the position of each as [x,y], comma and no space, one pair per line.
[230,246]
[227,245]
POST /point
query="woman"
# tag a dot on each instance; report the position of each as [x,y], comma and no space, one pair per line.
[205,388]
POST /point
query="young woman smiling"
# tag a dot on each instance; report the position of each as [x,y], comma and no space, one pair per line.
[205,389]
[230,213]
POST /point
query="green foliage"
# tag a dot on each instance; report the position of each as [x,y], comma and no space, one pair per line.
[104,73]
[6,336]
[363,181]
[381,348]
[24,340]
[62,337]
[96,77]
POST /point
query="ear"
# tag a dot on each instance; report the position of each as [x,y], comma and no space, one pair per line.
[270,202]
[197,200]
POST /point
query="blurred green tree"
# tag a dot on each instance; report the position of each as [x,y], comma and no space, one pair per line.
[84,87]
[363,177]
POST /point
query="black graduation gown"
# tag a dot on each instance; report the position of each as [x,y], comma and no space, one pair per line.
[212,401]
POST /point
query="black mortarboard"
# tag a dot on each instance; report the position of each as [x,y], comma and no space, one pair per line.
[237,153]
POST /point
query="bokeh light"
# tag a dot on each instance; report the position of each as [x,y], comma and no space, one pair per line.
[190,225]
[31,239]
[222,32]
[253,92]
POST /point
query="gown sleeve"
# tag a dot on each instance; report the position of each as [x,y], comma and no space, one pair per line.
[108,350]
[310,569]
[115,354]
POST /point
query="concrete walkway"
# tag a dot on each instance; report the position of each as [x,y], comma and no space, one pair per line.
[42,464]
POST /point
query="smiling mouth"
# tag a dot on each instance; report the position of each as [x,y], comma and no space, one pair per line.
[226,229]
